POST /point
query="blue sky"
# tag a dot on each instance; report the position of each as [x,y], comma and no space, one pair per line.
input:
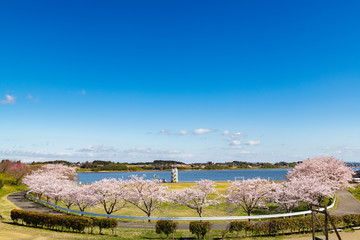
[194,81]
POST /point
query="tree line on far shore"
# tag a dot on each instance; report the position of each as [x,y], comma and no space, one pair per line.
[101,165]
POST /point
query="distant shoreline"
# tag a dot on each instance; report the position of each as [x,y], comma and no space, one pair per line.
[187,170]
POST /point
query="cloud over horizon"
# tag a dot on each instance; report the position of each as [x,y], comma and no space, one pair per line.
[8,99]
[202,131]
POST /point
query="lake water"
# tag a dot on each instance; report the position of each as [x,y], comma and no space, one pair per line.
[192,176]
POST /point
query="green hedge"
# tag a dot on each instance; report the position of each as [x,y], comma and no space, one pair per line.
[61,222]
[200,229]
[290,225]
[166,226]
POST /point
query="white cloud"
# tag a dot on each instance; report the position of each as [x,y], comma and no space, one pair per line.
[8,99]
[93,152]
[245,152]
[31,97]
[164,131]
[96,148]
[202,131]
[226,132]
[235,143]
[237,135]
[253,143]
[183,132]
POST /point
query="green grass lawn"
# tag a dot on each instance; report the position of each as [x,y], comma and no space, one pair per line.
[170,210]
[356,192]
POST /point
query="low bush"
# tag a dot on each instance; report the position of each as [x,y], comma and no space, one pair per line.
[238,226]
[101,223]
[200,229]
[351,220]
[167,227]
[291,225]
[1,183]
[61,222]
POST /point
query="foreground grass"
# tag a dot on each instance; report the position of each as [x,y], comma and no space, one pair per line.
[356,192]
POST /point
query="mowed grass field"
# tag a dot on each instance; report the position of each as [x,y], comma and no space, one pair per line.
[170,210]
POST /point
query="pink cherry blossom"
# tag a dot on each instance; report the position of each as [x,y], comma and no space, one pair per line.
[110,193]
[197,196]
[147,195]
[248,194]
[328,170]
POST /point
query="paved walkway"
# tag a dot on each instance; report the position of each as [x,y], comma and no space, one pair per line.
[347,204]
[19,200]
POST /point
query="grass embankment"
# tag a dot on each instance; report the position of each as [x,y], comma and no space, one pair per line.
[356,192]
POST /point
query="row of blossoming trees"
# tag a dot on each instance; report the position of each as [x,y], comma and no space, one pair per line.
[309,182]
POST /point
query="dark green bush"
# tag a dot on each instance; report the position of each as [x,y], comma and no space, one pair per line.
[351,220]
[166,226]
[238,226]
[1,183]
[200,229]
[71,223]
[102,223]
[260,227]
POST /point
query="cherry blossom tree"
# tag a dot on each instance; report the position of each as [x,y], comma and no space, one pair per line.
[18,170]
[248,194]
[286,194]
[111,194]
[50,180]
[197,196]
[5,165]
[68,194]
[36,182]
[311,190]
[147,195]
[60,170]
[328,170]
[85,197]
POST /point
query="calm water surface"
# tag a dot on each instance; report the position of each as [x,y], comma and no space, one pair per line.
[191,176]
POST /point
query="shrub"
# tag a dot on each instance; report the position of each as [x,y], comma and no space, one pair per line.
[102,223]
[166,226]
[1,183]
[238,226]
[200,229]
[259,228]
[277,225]
[74,223]
[351,220]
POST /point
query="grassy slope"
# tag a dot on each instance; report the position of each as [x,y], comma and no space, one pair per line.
[356,192]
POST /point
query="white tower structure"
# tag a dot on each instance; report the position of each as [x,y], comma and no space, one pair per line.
[174,175]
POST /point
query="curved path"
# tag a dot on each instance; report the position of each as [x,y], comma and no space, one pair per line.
[347,204]
[20,201]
